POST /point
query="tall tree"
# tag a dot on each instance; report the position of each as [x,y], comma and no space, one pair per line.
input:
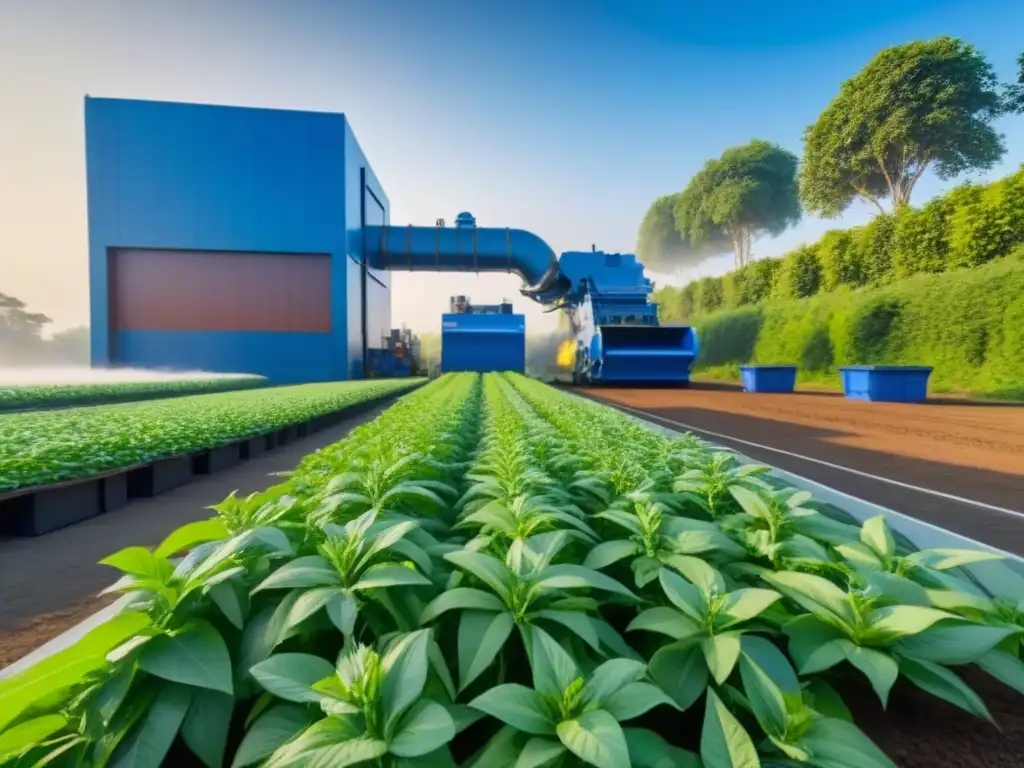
[748,192]
[1015,91]
[658,244]
[927,104]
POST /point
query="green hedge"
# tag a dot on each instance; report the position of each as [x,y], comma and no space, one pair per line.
[970,226]
[968,324]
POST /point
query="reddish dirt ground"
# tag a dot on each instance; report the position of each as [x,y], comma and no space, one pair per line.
[959,449]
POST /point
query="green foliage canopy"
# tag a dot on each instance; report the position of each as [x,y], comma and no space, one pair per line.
[659,244]
[748,192]
[927,104]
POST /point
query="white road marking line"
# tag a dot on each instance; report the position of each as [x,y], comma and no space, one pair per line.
[830,465]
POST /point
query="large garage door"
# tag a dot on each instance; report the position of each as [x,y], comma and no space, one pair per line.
[263,313]
[154,290]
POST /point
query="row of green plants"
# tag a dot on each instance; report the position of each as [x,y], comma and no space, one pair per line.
[496,573]
[44,447]
[970,226]
[28,396]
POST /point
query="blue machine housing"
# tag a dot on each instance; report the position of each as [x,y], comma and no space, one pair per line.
[483,342]
[618,335]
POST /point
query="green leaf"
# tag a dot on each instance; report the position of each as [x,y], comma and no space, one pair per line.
[553,668]
[876,534]
[332,742]
[425,727]
[750,502]
[766,699]
[303,606]
[275,727]
[940,682]
[342,609]
[746,604]
[539,752]
[67,667]
[226,597]
[826,701]
[680,671]
[683,595]
[596,738]
[190,534]
[962,644]
[648,750]
[481,638]
[518,706]
[698,572]
[886,625]
[839,743]
[635,699]
[723,741]
[721,652]
[773,662]
[814,593]
[290,676]
[464,598]
[390,576]
[147,744]
[665,621]
[489,570]
[139,561]
[308,571]
[1004,667]
[196,655]
[577,622]
[14,741]
[205,729]
[405,673]
[611,677]
[609,552]
[569,576]
[880,668]
[943,559]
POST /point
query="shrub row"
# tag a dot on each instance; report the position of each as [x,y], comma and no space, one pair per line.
[968,325]
[970,226]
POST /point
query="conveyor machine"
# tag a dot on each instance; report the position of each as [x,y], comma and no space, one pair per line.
[618,337]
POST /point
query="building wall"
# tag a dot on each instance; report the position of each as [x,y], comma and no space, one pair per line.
[190,177]
[373,205]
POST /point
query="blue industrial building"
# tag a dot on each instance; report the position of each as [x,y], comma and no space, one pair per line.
[257,186]
[258,240]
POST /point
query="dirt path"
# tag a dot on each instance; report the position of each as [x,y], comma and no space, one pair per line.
[48,584]
[922,460]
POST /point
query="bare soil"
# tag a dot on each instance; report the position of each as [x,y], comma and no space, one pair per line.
[954,449]
[918,730]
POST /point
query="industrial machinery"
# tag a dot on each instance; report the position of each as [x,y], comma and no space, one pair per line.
[397,356]
[618,337]
[484,337]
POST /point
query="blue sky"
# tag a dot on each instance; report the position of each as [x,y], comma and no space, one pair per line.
[565,117]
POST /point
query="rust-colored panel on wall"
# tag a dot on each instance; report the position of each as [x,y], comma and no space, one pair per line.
[154,290]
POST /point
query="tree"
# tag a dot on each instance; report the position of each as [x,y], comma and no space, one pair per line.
[748,192]
[923,105]
[1015,91]
[21,331]
[658,244]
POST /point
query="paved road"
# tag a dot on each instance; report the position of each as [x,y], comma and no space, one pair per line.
[957,466]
